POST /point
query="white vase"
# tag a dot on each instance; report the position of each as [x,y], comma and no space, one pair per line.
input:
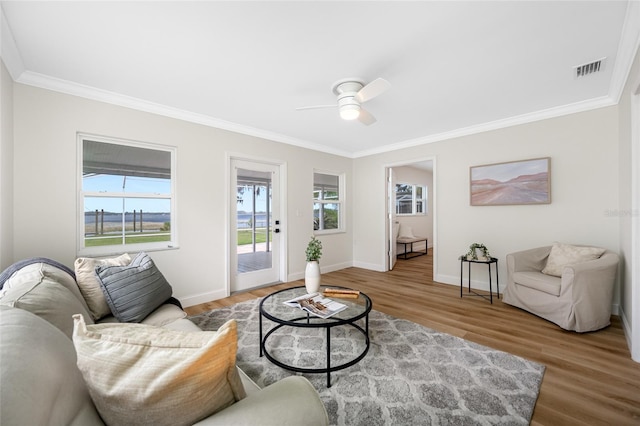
[312,277]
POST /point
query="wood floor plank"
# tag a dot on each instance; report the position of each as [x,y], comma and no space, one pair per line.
[590,377]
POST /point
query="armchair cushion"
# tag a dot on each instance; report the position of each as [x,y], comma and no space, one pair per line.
[565,254]
[538,281]
[140,374]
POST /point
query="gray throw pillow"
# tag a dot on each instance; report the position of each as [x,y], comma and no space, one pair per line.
[133,291]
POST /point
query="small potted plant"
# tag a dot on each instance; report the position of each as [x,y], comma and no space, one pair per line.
[472,254]
[312,271]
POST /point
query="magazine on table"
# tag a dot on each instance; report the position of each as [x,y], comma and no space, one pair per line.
[317,305]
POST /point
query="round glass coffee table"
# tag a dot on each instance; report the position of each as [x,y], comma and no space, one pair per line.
[272,307]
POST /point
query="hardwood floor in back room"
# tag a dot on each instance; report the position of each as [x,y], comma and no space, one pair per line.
[590,378]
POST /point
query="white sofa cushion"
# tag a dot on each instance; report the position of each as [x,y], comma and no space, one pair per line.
[40,384]
[85,268]
[562,255]
[140,374]
[47,292]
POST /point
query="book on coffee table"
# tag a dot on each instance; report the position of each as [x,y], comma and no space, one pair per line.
[317,305]
[342,293]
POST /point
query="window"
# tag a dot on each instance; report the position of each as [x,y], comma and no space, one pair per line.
[328,193]
[126,197]
[411,199]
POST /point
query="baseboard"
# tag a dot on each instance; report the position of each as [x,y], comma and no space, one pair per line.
[615,309]
[295,276]
[370,266]
[626,327]
[202,298]
[476,285]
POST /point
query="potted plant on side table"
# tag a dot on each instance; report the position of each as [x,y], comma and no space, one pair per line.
[472,254]
[312,271]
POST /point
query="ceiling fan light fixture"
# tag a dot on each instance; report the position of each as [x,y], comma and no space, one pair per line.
[352,92]
[350,112]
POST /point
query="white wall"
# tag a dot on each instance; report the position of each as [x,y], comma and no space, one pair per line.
[6,167]
[584,178]
[45,169]
[421,225]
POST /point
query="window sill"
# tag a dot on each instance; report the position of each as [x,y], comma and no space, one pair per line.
[329,232]
[118,250]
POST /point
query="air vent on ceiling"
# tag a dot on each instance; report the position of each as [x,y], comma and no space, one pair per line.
[590,68]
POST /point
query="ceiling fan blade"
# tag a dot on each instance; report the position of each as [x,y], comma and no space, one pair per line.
[317,107]
[373,89]
[365,117]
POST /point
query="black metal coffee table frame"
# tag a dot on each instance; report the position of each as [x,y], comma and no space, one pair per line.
[307,320]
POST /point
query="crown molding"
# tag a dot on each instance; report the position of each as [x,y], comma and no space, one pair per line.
[70,88]
[601,102]
[87,92]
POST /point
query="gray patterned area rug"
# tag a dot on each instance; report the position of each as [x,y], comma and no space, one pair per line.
[412,375]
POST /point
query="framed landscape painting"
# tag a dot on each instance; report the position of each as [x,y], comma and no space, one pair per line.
[513,182]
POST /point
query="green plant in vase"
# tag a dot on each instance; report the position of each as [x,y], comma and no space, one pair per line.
[472,254]
[312,271]
[314,250]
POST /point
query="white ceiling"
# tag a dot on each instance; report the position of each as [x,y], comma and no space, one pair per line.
[455,67]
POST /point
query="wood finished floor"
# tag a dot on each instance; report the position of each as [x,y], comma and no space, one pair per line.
[590,378]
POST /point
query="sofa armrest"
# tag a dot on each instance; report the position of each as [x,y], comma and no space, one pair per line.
[589,286]
[589,278]
[290,401]
[532,260]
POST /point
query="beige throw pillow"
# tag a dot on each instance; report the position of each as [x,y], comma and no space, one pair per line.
[564,254]
[140,374]
[406,231]
[90,287]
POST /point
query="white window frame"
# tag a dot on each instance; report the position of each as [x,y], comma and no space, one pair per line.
[414,200]
[123,248]
[340,201]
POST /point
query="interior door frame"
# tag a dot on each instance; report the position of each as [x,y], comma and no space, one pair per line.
[434,215]
[635,226]
[391,220]
[230,249]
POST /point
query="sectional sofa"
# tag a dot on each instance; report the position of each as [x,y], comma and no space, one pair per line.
[69,358]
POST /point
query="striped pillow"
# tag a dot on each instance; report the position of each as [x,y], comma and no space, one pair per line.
[135,290]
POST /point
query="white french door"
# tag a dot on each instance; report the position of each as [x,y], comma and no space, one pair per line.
[255,225]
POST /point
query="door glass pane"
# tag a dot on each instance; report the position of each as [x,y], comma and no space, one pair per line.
[254,223]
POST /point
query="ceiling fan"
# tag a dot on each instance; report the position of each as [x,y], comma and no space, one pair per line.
[352,92]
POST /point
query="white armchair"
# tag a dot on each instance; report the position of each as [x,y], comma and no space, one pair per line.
[580,300]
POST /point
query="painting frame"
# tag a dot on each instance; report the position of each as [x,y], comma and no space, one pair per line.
[519,182]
